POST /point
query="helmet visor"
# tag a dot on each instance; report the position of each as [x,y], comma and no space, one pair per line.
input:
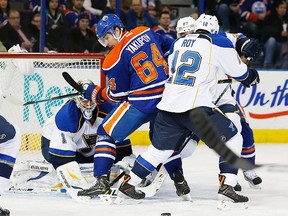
[102,41]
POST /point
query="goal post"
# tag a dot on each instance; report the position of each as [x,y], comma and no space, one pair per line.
[44,83]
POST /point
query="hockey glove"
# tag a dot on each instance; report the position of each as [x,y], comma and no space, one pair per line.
[251,49]
[251,79]
[91,92]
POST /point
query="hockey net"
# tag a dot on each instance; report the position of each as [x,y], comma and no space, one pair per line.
[44,83]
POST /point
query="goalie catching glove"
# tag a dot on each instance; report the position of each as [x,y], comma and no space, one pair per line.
[251,79]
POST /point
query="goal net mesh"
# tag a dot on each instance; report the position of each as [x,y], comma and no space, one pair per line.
[44,83]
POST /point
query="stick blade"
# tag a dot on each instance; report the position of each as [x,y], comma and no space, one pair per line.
[206,130]
[71,81]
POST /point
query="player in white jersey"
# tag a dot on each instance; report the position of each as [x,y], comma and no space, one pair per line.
[244,46]
[10,135]
[70,134]
[69,138]
[249,48]
[193,65]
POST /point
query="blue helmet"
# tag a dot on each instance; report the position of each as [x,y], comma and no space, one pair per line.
[107,25]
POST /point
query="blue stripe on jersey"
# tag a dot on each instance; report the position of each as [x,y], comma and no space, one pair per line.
[218,40]
[243,77]
[7,159]
[62,153]
[140,160]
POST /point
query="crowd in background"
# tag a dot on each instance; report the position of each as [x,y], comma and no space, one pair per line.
[70,24]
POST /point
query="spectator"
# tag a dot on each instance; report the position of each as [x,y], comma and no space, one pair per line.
[137,17]
[112,9]
[35,5]
[228,12]
[172,12]
[148,4]
[4,8]
[56,27]
[77,8]
[274,35]
[33,33]
[12,33]
[82,39]
[95,6]
[163,27]
[2,47]
[253,13]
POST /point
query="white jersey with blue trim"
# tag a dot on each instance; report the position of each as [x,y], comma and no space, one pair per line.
[194,63]
[69,132]
[227,97]
[66,144]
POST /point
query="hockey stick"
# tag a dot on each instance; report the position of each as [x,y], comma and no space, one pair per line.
[72,82]
[207,131]
[157,182]
[37,190]
[53,98]
[117,178]
[225,81]
[14,189]
[224,90]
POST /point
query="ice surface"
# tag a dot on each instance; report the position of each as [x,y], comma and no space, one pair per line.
[201,172]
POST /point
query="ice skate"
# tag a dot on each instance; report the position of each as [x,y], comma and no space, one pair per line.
[102,186]
[4,212]
[127,192]
[228,198]
[182,188]
[253,179]
[238,187]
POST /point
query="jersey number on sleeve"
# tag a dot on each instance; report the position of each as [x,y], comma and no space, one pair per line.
[184,71]
[145,67]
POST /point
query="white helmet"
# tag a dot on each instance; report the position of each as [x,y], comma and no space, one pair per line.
[208,23]
[185,25]
[83,104]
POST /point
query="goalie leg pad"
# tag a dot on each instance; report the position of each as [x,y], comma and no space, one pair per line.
[72,179]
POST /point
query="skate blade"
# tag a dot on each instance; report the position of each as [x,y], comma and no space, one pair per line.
[255,187]
[187,197]
[122,199]
[224,205]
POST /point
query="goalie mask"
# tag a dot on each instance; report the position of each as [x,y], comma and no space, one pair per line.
[86,106]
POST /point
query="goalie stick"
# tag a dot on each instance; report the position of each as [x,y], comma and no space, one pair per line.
[53,98]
